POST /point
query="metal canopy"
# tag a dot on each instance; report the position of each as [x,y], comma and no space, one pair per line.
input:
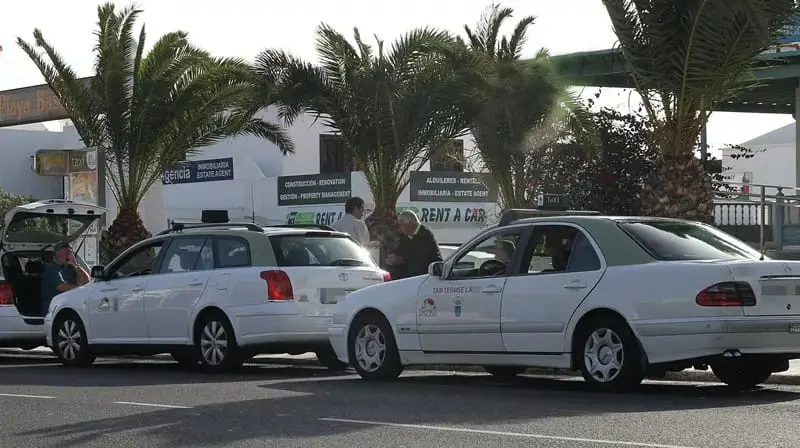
[776,95]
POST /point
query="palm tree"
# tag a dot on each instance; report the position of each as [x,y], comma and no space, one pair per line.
[525,107]
[147,111]
[685,57]
[392,108]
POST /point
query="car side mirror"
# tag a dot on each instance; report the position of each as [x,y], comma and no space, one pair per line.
[97,272]
[436,268]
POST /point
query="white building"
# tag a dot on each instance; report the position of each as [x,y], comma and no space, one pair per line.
[242,175]
[773,162]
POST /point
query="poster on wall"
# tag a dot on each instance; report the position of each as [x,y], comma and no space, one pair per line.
[83,185]
[314,189]
[194,171]
[451,186]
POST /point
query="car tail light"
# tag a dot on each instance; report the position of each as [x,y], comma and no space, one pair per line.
[387,277]
[727,294]
[279,287]
[6,294]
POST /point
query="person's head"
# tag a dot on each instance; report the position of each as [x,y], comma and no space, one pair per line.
[63,252]
[354,206]
[408,222]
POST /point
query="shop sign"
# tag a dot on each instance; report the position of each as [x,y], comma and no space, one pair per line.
[63,162]
[451,186]
[450,216]
[32,104]
[313,189]
[194,171]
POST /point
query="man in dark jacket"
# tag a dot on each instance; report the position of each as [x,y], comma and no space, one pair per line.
[416,249]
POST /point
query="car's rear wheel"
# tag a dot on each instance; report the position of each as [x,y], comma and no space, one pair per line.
[215,343]
[740,375]
[327,357]
[372,349]
[611,358]
[70,342]
[505,372]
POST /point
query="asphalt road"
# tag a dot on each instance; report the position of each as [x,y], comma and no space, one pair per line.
[157,404]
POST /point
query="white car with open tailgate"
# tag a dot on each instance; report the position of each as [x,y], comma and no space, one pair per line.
[214,294]
[618,298]
[26,243]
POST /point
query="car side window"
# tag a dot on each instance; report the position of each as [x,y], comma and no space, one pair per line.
[183,255]
[489,257]
[583,257]
[558,249]
[139,262]
[232,253]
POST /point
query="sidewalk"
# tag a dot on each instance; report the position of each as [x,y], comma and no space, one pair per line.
[789,377]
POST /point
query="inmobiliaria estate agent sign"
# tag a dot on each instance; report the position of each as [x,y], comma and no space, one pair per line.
[199,171]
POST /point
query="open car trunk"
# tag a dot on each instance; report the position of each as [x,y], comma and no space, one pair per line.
[23,271]
[27,239]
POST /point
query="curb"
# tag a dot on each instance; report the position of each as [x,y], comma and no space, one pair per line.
[690,375]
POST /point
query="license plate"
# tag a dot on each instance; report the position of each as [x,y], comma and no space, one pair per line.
[794,328]
[332,296]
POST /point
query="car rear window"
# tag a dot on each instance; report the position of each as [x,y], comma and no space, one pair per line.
[318,249]
[675,241]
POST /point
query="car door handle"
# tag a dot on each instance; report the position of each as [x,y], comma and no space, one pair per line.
[491,289]
[577,284]
[196,283]
[137,289]
[109,290]
[104,304]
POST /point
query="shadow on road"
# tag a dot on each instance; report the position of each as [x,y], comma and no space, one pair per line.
[418,399]
[135,374]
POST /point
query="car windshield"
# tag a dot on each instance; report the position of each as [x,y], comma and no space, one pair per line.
[674,241]
[319,249]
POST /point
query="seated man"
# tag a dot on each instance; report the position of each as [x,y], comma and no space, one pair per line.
[61,275]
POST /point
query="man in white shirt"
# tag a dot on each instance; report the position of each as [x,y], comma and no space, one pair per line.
[352,222]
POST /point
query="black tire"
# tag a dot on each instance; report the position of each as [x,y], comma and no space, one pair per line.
[373,329]
[69,341]
[610,331]
[742,376]
[327,357]
[186,358]
[505,372]
[225,358]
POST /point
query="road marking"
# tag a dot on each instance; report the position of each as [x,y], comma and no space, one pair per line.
[26,396]
[504,433]
[152,405]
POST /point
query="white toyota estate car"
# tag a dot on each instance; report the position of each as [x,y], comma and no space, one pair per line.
[26,243]
[617,298]
[213,294]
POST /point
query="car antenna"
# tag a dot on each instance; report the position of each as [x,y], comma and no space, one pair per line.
[763,250]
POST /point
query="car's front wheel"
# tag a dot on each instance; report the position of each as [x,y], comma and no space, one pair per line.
[372,349]
[70,343]
[741,375]
[611,359]
[215,343]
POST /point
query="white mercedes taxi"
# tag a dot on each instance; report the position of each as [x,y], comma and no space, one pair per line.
[618,298]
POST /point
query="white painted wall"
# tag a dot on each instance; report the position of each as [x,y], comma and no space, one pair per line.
[773,162]
[17,147]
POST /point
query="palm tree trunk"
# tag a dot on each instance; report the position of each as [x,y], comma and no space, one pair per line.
[126,230]
[679,187]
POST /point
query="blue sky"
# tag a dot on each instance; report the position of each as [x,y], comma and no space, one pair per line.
[244,27]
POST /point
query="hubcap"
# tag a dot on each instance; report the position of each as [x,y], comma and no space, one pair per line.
[603,355]
[69,340]
[370,348]
[213,343]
